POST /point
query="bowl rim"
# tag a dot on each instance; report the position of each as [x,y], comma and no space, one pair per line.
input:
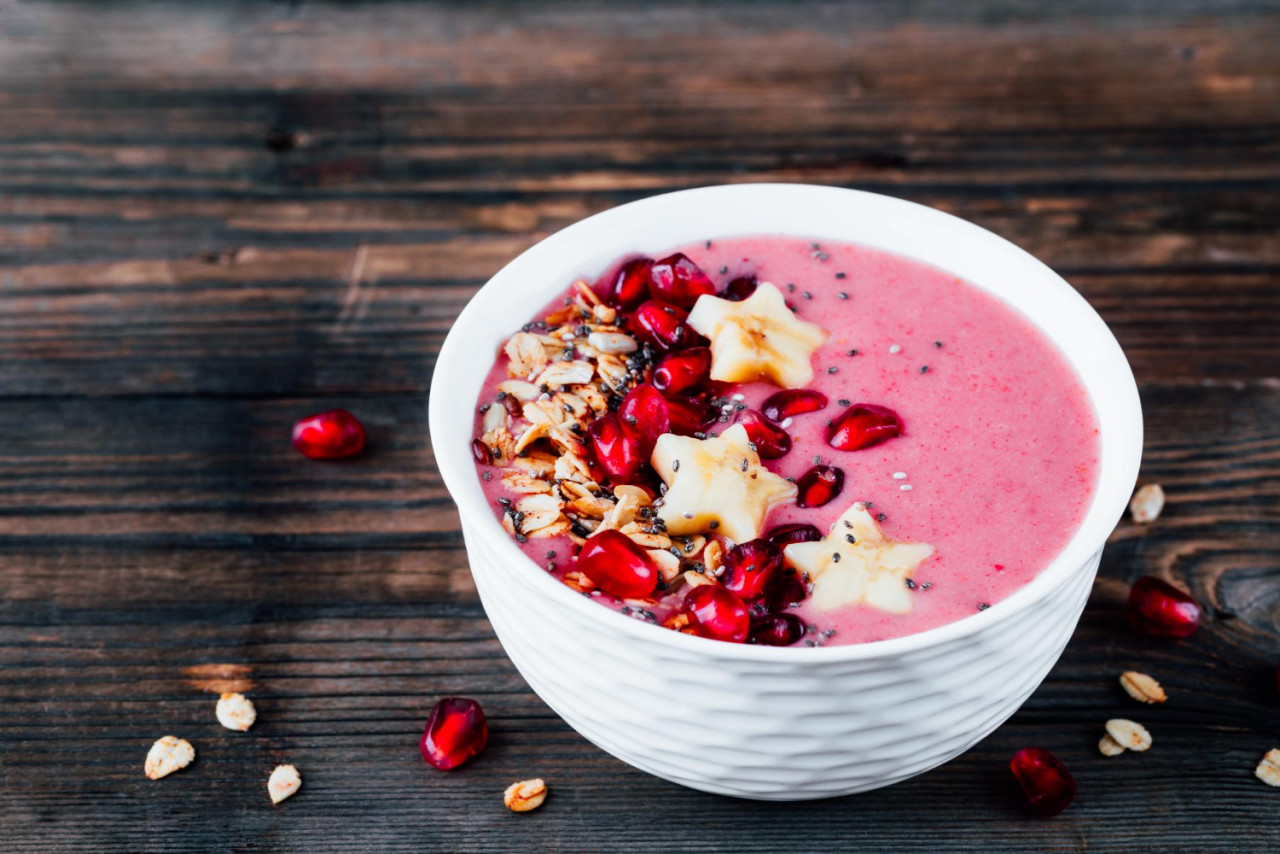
[457,471]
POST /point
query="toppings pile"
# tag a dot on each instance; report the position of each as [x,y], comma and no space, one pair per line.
[618,432]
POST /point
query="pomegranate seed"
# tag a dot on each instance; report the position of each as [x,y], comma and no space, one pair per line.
[862,426]
[617,448]
[1045,781]
[480,451]
[776,630]
[456,731]
[679,281]
[683,371]
[740,288]
[329,435]
[629,285]
[785,590]
[717,613]
[687,415]
[1158,608]
[647,414]
[663,326]
[771,441]
[791,402]
[784,535]
[749,566]
[618,566]
[819,485]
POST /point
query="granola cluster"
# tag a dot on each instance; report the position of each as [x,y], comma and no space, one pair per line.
[563,372]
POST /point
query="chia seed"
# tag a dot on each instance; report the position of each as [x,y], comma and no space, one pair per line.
[924,369]
[724,270]
[708,244]
[807,295]
[744,463]
[982,606]
[853,352]
[791,287]
[880,517]
[817,458]
[841,295]
[505,502]
[911,585]
[484,407]
[832,369]
[488,475]
[835,557]
[675,465]
[688,515]
[926,585]
[713,524]
[844,402]
[851,538]
[938,344]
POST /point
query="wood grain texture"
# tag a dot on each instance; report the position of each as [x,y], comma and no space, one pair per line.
[216,218]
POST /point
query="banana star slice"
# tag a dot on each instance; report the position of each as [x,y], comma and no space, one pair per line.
[857,563]
[716,485]
[758,338]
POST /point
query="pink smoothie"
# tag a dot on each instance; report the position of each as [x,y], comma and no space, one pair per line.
[999,458]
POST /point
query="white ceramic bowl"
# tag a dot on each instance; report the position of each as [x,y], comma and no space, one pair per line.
[767,722]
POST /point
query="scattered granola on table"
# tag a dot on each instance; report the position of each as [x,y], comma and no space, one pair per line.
[525,796]
[167,755]
[283,783]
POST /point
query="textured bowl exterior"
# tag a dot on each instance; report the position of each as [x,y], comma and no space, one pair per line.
[764,722]
[771,730]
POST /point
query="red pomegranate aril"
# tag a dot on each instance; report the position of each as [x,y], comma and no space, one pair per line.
[617,448]
[663,326]
[740,288]
[1045,781]
[1159,608]
[862,426]
[717,613]
[646,412]
[791,402]
[771,441]
[776,630]
[819,485]
[784,535]
[329,435]
[784,590]
[456,731]
[749,566]
[618,566]
[629,285]
[679,281]
[480,451]
[683,371]
[687,415]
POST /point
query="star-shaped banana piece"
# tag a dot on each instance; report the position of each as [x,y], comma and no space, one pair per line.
[858,563]
[758,338]
[716,485]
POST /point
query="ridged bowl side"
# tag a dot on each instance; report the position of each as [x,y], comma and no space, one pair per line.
[774,729]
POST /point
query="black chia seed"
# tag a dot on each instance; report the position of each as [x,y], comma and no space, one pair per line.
[982,606]
[724,270]
[924,369]
[851,538]
[791,287]
[937,344]
[841,295]
[835,557]
[839,275]
[675,465]
[880,517]
[807,295]
[832,369]
[911,585]
[844,402]
[713,524]
[488,475]
[926,585]
[817,458]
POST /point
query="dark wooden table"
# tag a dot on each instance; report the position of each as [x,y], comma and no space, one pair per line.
[215,218]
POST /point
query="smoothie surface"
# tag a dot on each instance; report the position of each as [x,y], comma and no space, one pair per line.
[999,458]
